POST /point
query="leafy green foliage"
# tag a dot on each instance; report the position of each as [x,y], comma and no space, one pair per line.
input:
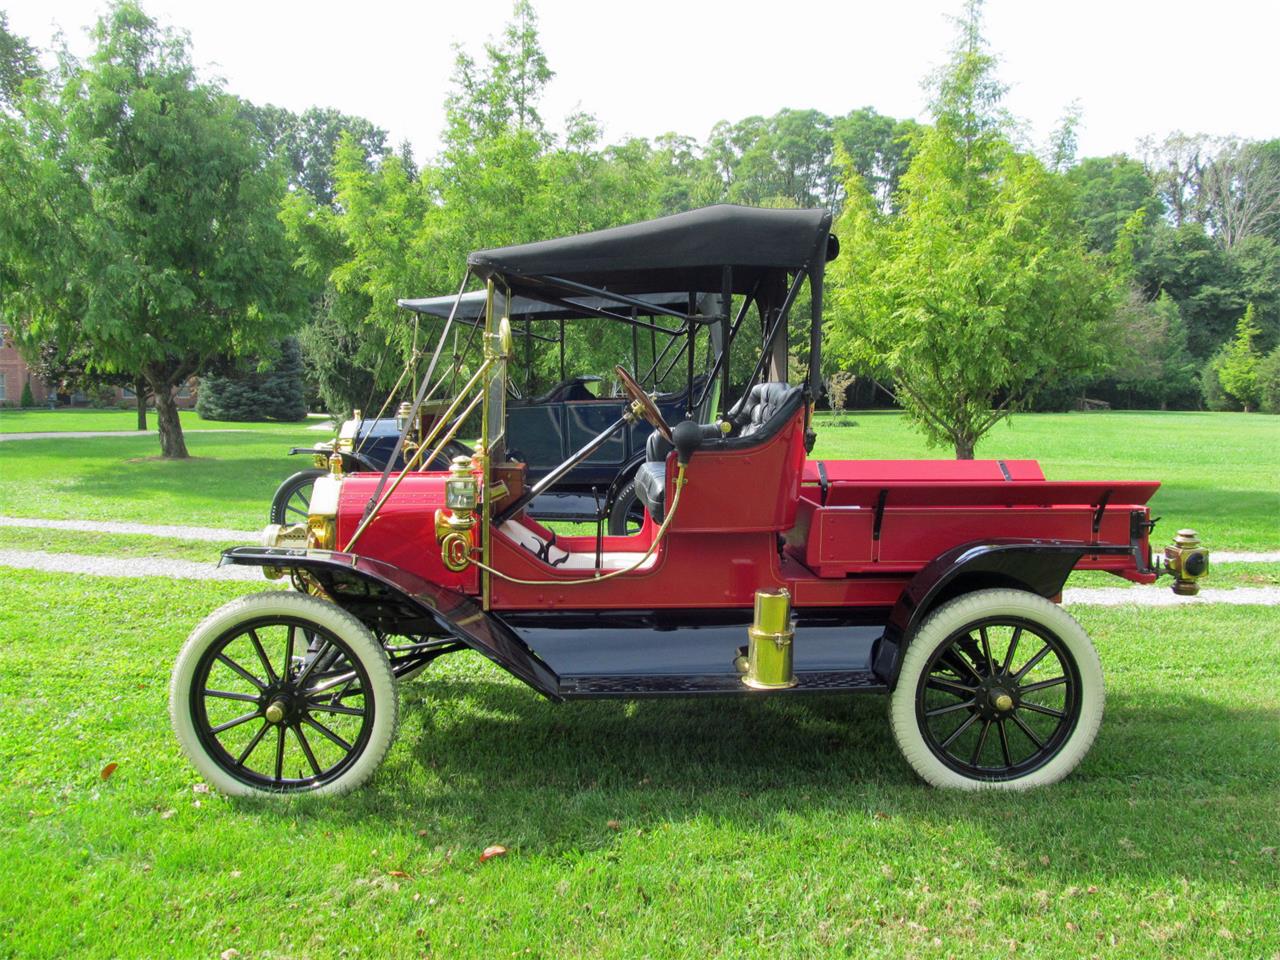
[274,393]
[1238,369]
[141,219]
[27,399]
[1107,192]
[18,63]
[1269,382]
[980,288]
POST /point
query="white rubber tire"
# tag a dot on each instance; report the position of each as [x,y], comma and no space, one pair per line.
[945,621]
[286,603]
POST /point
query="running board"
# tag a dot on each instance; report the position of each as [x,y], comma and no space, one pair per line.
[628,687]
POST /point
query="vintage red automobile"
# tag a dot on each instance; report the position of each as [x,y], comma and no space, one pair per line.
[758,571]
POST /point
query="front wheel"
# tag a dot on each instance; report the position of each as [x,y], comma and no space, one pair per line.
[999,689]
[283,693]
[292,502]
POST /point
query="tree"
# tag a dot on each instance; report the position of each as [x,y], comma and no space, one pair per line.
[18,64]
[1239,191]
[878,149]
[307,143]
[142,218]
[1238,369]
[271,392]
[980,289]
[1107,191]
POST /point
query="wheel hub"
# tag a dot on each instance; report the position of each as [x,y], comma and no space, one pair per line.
[996,700]
[277,711]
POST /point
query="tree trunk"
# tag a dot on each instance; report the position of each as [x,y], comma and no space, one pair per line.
[964,448]
[172,444]
[140,393]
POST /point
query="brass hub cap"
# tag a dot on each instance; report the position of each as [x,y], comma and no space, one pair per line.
[276,711]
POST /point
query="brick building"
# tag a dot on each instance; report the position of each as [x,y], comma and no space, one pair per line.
[15,374]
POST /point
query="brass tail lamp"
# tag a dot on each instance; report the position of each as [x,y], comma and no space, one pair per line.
[1187,562]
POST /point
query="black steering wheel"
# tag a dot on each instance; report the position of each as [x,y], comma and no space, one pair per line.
[647,406]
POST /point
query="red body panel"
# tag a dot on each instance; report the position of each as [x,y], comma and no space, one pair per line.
[725,542]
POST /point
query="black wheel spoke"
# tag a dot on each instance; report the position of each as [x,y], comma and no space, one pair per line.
[290,508]
[1013,649]
[955,734]
[231,664]
[954,657]
[951,687]
[286,672]
[310,667]
[326,732]
[257,738]
[330,684]
[986,651]
[1031,734]
[262,656]
[1004,743]
[230,695]
[302,495]
[1041,708]
[1042,685]
[1030,664]
[233,723]
[335,708]
[279,753]
[306,749]
[982,742]
[963,705]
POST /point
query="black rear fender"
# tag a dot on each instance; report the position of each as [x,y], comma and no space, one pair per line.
[392,600]
[1039,566]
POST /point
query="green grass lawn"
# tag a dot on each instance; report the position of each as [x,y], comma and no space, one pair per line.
[228,482]
[59,421]
[730,828]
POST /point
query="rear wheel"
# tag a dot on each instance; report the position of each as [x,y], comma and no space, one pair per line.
[998,689]
[626,516]
[283,693]
[292,502]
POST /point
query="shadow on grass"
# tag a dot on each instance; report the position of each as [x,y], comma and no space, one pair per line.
[490,760]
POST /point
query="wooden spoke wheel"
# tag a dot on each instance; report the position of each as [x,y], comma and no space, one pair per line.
[998,688]
[283,693]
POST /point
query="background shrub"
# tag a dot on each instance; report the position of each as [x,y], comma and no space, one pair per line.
[276,393]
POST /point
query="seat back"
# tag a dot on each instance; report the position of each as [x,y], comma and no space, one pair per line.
[763,402]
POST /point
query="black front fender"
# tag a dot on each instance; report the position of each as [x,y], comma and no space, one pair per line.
[1040,566]
[393,600]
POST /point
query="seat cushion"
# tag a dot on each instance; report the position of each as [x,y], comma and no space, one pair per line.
[651,488]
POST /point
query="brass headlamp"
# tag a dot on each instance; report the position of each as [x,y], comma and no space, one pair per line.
[454,523]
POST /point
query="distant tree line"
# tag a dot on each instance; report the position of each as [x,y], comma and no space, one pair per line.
[152,226]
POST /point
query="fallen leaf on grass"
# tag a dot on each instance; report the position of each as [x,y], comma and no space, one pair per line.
[1044,861]
[614,824]
[397,873]
[200,788]
[230,954]
[168,813]
[497,850]
[108,770]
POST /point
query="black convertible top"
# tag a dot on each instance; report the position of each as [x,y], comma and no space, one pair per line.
[684,251]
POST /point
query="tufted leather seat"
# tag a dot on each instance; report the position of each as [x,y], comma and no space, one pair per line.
[764,403]
[764,400]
